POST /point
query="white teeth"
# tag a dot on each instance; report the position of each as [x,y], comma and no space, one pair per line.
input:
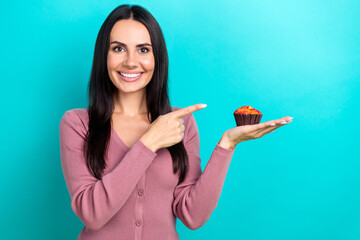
[130,75]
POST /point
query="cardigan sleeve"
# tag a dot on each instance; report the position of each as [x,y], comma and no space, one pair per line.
[197,196]
[95,201]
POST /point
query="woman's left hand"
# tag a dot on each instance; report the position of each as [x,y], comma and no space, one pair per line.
[239,134]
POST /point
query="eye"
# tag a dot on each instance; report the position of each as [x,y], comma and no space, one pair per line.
[144,50]
[118,49]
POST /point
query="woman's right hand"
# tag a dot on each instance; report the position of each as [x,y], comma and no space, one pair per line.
[167,129]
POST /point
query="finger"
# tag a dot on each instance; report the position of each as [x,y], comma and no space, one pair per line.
[184,111]
[261,126]
[274,122]
[273,127]
[182,127]
[268,129]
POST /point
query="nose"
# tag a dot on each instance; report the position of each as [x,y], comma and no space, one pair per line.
[130,60]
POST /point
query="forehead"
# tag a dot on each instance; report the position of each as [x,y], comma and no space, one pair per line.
[129,31]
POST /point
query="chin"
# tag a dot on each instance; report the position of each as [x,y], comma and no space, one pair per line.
[131,90]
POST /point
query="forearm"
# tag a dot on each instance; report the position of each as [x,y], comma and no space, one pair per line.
[196,200]
[95,202]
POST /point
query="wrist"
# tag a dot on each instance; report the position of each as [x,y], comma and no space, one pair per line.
[148,143]
[226,143]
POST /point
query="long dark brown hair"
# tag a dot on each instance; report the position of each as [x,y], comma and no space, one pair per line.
[101,90]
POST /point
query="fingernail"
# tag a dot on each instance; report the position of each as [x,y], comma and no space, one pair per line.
[289,120]
[203,106]
[273,124]
[284,123]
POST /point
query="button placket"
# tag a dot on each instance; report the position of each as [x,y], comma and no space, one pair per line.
[139,207]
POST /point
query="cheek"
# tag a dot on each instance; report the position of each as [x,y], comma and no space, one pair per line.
[149,64]
[112,61]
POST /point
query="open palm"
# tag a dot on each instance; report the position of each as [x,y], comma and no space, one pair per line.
[248,132]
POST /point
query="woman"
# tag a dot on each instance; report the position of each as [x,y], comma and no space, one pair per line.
[131,161]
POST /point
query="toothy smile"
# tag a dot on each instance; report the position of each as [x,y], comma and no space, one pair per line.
[130,75]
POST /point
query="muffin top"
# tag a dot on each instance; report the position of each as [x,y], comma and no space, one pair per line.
[247,110]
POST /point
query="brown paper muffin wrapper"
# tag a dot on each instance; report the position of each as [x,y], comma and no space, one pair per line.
[247,119]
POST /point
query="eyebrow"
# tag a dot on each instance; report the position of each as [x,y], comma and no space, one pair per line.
[123,44]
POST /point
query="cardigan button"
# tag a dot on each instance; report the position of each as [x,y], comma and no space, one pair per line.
[138,223]
[141,192]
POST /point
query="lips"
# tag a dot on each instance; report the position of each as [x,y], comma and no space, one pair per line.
[130,76]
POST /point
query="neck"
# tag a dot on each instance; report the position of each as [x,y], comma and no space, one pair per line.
[130,104]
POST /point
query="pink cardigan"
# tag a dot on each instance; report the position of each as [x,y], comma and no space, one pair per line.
[138,196]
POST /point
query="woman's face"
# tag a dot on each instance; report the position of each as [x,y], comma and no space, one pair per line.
[130,60]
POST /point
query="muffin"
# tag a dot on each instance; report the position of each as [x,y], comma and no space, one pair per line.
[247,115]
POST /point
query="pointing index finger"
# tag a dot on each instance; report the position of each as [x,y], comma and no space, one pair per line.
[182,112]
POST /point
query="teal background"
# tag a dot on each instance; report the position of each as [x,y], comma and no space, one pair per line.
[285,58]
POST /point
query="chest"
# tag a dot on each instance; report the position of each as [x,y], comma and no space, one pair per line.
[160,172]
[129,131]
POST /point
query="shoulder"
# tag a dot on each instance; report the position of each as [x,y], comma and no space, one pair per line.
[76,118]
[80,113]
